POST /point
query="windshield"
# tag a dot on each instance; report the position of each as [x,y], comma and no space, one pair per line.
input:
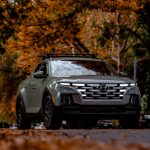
[67,68]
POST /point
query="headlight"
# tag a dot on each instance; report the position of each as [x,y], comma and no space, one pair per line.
[66,87]
[134,100]
[64,83]
[78,84]
[133,84]
[127,84]
[133,90]
[124,85]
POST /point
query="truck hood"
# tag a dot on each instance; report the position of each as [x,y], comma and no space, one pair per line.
[96,79]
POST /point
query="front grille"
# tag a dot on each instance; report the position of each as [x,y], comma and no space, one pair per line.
[101,91]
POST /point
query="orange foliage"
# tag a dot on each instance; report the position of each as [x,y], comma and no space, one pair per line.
[53,26]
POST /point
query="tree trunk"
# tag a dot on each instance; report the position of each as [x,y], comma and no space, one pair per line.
[121,56]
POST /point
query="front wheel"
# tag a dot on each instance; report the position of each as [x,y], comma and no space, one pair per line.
[51,116]
[22,121]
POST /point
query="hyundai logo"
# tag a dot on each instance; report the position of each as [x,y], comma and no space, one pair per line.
[103,88]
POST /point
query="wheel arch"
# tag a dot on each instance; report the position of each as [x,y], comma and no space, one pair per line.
[18,100]
[46,93]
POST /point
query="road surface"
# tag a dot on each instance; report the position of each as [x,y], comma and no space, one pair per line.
[69,139]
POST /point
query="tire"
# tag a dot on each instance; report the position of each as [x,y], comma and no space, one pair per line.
[22,121]
[129,123]
[51,116]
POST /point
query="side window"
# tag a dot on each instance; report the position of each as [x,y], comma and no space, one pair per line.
[42,67]
[37,68]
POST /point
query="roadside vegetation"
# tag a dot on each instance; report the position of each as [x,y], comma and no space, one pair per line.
[117,31]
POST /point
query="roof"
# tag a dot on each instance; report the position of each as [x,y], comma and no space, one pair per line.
[48,56]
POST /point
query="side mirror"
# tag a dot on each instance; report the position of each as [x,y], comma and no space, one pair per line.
[39,74]
[122,74]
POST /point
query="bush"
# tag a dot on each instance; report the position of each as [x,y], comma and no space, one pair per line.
[146,96]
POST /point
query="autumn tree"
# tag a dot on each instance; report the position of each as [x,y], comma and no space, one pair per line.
[8,16]
[142,49]
[116,36]
[50,26]
[53,26]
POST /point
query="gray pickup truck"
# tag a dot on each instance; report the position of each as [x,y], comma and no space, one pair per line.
[78,89]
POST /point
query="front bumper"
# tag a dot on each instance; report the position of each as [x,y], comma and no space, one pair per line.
[99,112]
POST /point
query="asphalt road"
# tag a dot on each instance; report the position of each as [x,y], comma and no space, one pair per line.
[121,136]
[73,139]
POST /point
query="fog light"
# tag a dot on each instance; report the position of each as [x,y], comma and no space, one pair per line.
[134,100]
[66,99]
